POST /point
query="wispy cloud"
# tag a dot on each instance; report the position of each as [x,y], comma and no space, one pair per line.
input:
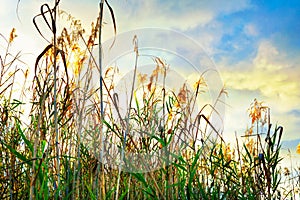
[180,15]
[269,73]
[272,77]
[295,112]
[251,30]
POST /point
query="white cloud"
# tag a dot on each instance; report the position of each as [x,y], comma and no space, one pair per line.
[251,30]
[208,36]
[271,74]
[270,77]
[133,14]
[268,57]
[181,15]
[7,12]
[2,8]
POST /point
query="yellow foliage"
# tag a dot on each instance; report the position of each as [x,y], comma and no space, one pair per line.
[255,111]
[182,95]
[13,35]
[298,149]
[141,78]
[197,84]
[78,57]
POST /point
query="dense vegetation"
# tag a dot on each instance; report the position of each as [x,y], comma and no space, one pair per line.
[46,155]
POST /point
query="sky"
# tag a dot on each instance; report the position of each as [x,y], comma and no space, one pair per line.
[254,45]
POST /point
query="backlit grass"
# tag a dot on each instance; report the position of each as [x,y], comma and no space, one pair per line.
[55,151]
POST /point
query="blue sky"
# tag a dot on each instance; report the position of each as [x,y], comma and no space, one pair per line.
[254,44]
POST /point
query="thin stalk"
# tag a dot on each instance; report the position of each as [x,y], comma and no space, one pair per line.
[100,56]
[128,190]
[163,133]
[135,41]
[11,183]
[102,188]
[32,181]
[81,110]
[240,161]
[79,126]
[55,101]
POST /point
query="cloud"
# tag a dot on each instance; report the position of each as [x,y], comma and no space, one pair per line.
[208,36]
[289,123]
[7,15]
[272,74]
[250,30]
[268,57]
[295,112]
[180,15]
[2,9]
[195,18]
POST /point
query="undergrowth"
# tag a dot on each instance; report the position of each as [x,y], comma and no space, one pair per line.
[76,143]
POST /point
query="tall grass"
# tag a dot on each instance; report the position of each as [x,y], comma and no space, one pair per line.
[151,152]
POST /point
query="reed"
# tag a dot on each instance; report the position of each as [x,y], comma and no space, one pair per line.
[56,152]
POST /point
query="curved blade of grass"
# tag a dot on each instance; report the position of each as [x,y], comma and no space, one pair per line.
[27,142]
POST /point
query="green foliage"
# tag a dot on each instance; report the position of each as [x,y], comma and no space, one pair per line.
[44,156]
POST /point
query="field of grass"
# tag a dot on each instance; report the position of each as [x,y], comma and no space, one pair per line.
[75,144]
